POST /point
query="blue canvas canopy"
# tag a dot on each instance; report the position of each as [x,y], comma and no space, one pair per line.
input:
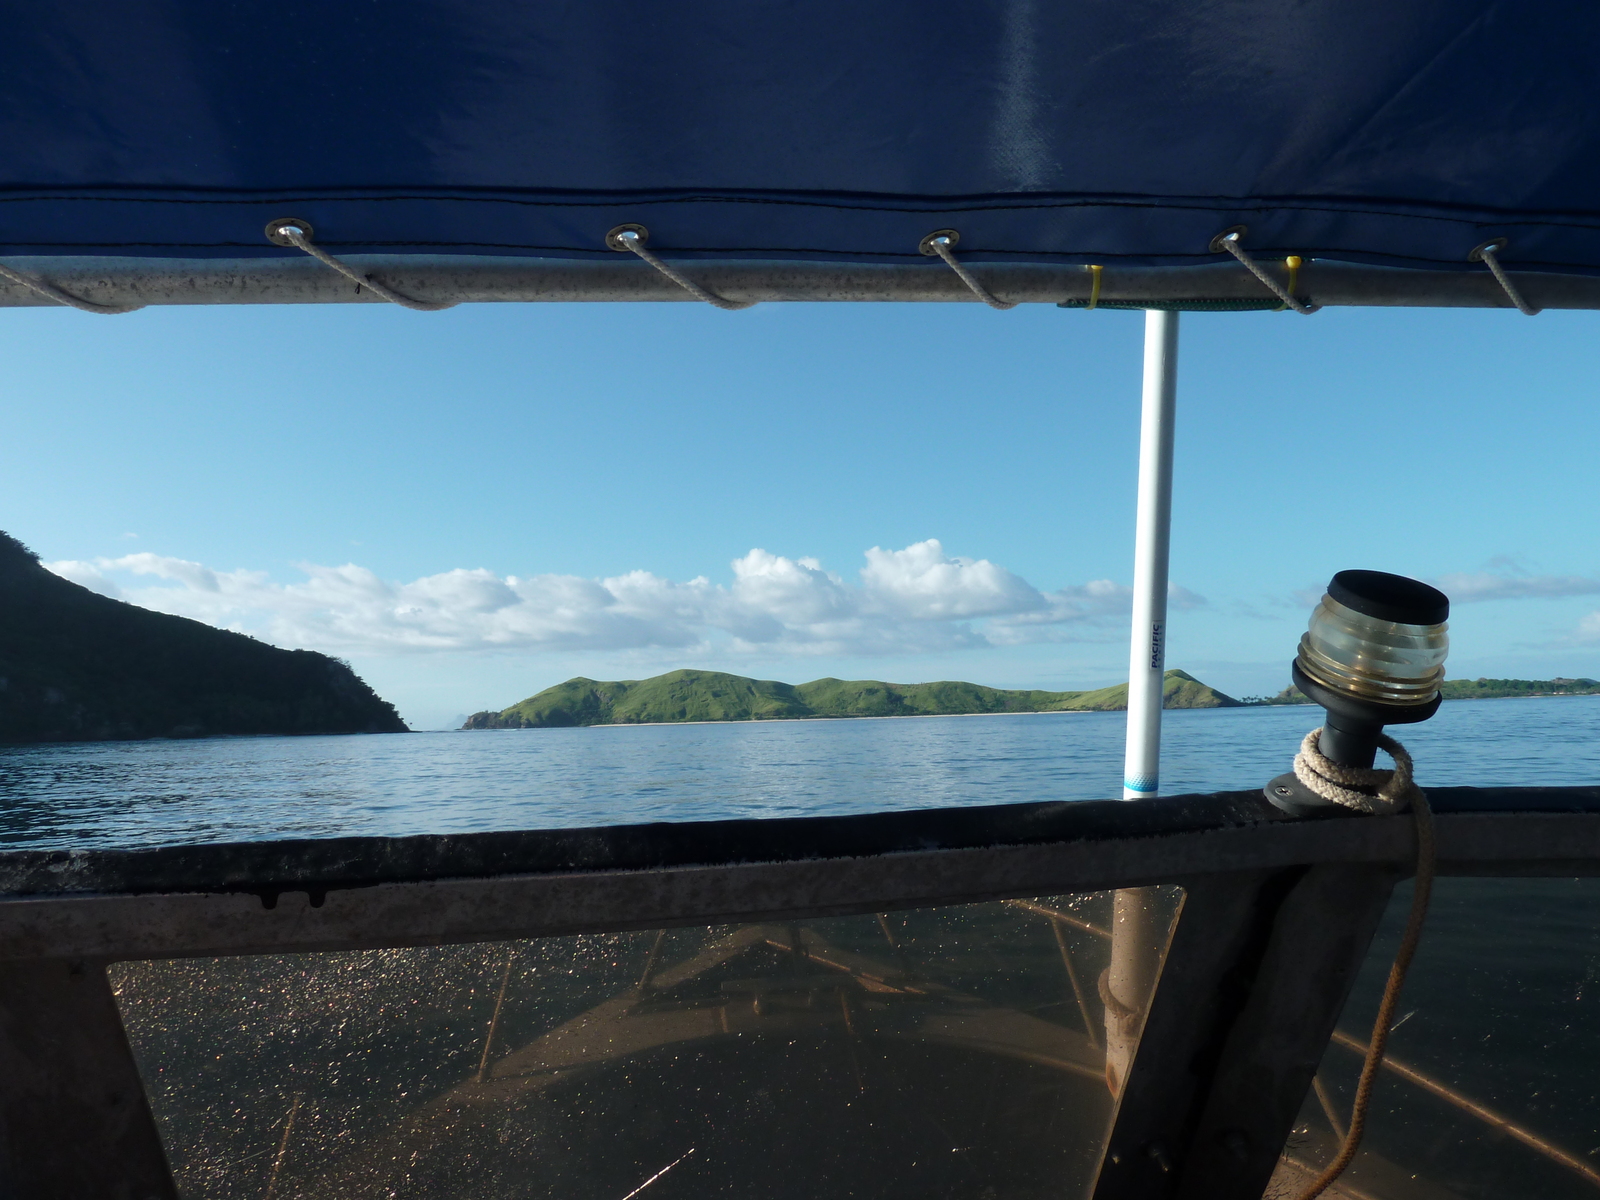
[1400,133]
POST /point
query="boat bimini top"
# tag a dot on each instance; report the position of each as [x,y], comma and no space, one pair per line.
[1081,152]
[1182,998]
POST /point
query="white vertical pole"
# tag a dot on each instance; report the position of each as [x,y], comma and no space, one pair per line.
[1141,774]
[1136,941]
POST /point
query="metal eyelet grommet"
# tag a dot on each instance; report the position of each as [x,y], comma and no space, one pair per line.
[614,238]
[1236,232]
[300,223]
[1493,246]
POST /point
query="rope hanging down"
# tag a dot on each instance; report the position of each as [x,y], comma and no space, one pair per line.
[51,292]
[1488,254]
[1379,792]
[296,233]
[1229,240]
[636,237]
[941,242]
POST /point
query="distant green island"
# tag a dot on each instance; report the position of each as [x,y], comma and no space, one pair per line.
[714,696]
[79,666]
[1470,689]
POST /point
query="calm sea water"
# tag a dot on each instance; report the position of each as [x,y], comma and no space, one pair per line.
[234,789]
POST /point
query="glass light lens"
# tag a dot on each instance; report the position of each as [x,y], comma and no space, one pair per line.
[1371,658]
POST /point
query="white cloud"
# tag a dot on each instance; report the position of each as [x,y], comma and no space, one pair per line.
[924,584]
[1503,578]
[87,574]
[1065,613]
[1467,587]
[910,600]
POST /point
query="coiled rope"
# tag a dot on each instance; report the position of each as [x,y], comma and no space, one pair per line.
[1366,789]
[1121,1022]
[51,292]
[943,242]
[633,237]
[296,236]
[1380,792]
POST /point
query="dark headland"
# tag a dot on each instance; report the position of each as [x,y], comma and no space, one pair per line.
[79,666]
[714,696]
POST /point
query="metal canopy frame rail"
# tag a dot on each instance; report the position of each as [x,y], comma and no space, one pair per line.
[1277,916]
[451,279]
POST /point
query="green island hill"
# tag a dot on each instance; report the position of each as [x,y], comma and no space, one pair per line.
[79,666]
[1469,689]
[714,696]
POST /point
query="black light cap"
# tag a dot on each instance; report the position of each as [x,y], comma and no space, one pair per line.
[1390,597]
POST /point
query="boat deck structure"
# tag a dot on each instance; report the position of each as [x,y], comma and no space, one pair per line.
[904,1004]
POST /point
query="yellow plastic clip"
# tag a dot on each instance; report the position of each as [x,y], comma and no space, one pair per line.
[1094,288]
[1293,263]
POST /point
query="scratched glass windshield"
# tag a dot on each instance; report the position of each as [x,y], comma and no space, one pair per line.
[958,1052]
[1491,1084]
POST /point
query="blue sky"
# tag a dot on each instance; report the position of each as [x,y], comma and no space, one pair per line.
[475,504]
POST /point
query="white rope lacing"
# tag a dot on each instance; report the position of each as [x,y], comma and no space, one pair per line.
[1365,789]
[1230,242]
[1372,790]
[51,292]
[942,244]
[296,237]
[1488,254]
[629,238]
